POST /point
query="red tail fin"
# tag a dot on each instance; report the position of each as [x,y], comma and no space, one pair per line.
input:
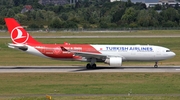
[18,33]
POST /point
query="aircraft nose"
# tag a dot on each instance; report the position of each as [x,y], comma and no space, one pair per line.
[172,54]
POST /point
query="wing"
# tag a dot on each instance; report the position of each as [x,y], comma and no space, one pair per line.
[91,55]
[88,54]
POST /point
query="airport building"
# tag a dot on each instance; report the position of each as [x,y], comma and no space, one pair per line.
[57,2]
[113,0]
[162,2]
[149,3]
[152,3]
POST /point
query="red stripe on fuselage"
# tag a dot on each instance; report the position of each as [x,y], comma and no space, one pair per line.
[54,50]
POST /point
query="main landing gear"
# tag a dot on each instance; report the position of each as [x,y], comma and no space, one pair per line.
[89,66]
[92,64]
[156,65]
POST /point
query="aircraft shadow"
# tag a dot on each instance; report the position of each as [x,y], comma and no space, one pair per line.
[83,68]
[121,68]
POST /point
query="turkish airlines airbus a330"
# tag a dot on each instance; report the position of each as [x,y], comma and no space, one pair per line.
[113,55]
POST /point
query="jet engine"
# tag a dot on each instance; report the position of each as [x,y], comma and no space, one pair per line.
[114,61]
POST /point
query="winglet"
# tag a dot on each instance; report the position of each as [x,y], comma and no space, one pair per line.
[18,33]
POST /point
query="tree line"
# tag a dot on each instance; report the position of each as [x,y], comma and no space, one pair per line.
[90,14]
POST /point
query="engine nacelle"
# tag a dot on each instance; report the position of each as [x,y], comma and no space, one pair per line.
[114,61]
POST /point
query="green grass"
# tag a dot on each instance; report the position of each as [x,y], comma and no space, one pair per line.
[102,33]
[27,86]
[160,85]
[102,98]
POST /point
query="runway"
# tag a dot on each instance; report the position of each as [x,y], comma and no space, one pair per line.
[82,69]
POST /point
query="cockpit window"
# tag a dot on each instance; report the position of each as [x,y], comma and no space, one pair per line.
[168,50]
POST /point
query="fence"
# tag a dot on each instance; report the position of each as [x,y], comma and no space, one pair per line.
[95,29]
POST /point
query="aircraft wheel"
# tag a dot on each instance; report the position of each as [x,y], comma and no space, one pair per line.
[156,65]
[94,66]
[88,66]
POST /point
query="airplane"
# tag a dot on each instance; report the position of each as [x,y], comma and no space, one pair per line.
[113,55]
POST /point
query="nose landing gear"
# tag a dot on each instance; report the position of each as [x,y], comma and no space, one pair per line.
[156,65]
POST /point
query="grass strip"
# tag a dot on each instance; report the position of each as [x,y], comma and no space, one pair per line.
[91,83]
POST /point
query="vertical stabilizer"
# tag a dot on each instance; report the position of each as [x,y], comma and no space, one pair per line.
[18,33]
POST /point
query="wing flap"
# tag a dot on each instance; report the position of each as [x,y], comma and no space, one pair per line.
[90,55]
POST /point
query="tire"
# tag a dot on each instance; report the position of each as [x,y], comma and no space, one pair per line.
[88,66]
[155,66]
[93,66]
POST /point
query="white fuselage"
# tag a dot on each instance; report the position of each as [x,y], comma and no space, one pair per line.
[136,52]
[126,52]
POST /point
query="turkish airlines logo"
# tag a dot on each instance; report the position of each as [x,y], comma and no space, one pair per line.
[19,35]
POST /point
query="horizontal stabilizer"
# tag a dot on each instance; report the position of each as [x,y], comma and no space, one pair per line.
[18,46]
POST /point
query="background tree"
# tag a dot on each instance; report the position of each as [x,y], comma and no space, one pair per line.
[69,24]
[33,26]
[170,14]
[10,13]
[143,18]
[56,23]
[158,7]
[129,15]
[91,14]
